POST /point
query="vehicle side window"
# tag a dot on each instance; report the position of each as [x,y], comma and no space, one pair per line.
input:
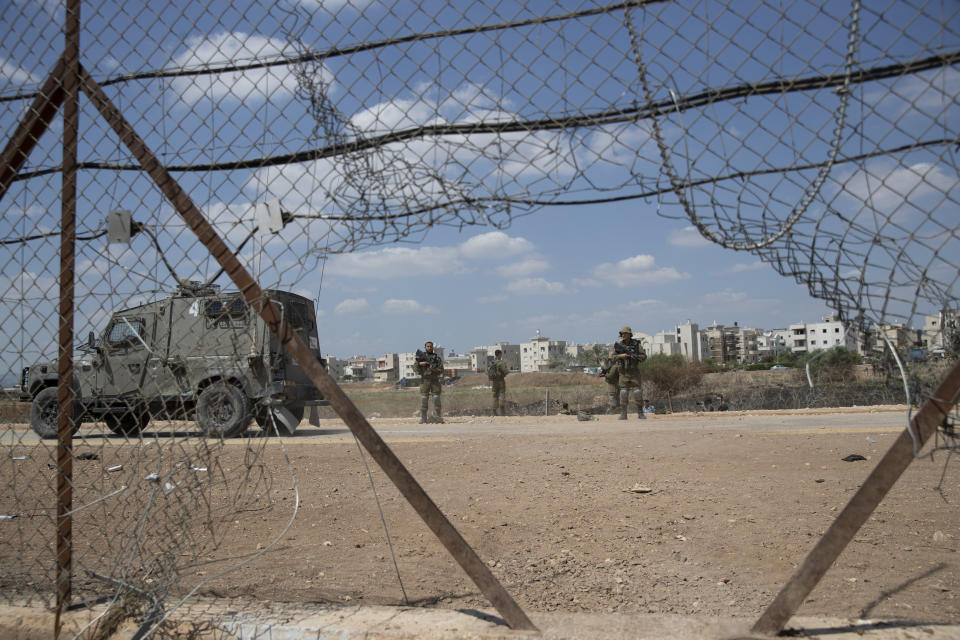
[226,313]
[299,315]
[125,331]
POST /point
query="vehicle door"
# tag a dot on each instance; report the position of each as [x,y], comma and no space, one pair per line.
[125,354]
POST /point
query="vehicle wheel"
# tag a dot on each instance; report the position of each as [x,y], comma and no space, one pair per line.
[129,423]
[43,414]
[223,411]
[263,419]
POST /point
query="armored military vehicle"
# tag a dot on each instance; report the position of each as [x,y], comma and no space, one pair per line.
[200,354]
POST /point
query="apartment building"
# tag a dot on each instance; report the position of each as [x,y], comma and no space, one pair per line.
[388,368]
[938,329]
[480,357]
[535,355]
[665,343]
[692,344]
[335,366]
[774,342]
[715,345]
[748,346]
[360,368]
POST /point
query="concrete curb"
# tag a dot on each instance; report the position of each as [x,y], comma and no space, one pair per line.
[253,620]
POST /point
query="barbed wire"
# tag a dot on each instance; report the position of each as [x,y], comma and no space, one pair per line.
[819,137]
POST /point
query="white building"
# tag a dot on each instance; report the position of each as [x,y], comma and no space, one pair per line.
[823,335]
[774,342]
[388,367]
[360,368]
[938,328]
[665,343]
[480,357]
[691,343]
[335,367]
[535,355]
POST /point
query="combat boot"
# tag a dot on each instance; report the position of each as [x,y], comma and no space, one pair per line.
[640,414]
[614,403]
[624,401]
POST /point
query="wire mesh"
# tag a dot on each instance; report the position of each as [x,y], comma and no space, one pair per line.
[819,136]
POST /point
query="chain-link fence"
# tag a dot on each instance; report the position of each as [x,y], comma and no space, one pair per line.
[820,136]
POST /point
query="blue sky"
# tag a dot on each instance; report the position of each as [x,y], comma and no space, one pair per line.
[489,268]
[571,278]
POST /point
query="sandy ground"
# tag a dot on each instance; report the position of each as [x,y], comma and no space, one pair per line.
[729,516]
[548,503]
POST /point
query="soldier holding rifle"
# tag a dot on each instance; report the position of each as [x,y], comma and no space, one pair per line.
[628,354]
[430,367]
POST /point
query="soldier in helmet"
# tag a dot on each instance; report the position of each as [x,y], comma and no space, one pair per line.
[497,372]
[628,354]
[430,367]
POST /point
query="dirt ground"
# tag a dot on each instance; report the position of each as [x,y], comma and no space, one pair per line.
[729,516]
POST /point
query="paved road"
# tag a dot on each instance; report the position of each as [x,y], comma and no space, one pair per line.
[867,420]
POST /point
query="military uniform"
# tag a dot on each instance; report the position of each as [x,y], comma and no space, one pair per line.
[628,354]
[430,384]
[497,372]
[611,376]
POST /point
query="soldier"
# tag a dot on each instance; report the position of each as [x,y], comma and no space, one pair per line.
[497,372]
[628,354]
[430,367]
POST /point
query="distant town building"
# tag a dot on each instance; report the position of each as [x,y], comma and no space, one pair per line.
[480,357]
[335,367]
[691,343]
[535,355]
[388,368]
[457,363]
[774,342]
[665,343]
[938,330]
[360,368]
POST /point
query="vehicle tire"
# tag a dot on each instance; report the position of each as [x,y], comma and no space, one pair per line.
[44,412]
[129,423]
[223,411]
[265,423]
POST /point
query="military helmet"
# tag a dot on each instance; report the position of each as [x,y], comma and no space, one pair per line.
[626,330]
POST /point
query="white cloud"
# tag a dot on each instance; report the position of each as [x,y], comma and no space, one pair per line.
[494,244]
[525,267]
[885,188]
[397,262]
[16,75]
[637,270]
[224,49]
[352,306]
[331,6]
[394,306]
[742,267]
[536,286]
[496,297]
[688,237]
[403,262]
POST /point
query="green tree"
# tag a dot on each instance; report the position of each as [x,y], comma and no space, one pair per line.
[671,375]
[595,356]
[836,365]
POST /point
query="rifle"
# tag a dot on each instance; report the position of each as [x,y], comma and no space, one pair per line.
[633,351]
[432,359]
